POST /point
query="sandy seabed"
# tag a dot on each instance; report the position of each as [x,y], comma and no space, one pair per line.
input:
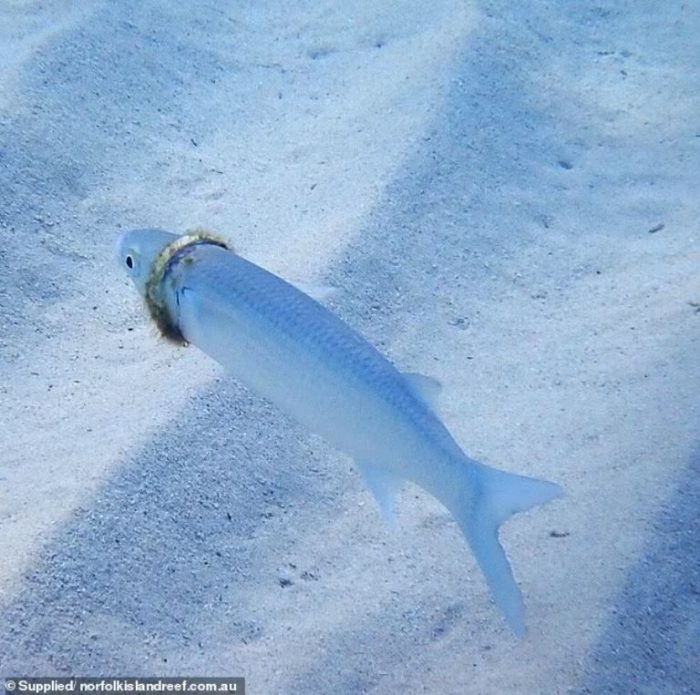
[506,196]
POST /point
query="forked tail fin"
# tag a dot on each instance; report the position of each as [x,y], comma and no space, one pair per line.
[496,496]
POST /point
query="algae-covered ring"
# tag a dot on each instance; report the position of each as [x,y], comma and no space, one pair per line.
[172,253]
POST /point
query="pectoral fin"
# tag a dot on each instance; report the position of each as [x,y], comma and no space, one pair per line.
[384,486]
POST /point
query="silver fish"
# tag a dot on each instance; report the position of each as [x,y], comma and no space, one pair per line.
[293,351]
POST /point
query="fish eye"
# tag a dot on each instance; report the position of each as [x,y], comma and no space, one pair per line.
[129,262]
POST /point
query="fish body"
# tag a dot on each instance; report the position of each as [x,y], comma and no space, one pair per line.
[299,355]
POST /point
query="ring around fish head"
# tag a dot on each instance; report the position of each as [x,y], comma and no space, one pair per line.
[147,255]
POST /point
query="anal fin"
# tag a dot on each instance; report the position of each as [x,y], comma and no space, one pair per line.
[385,486]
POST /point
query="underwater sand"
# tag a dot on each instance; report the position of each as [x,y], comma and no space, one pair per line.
[505,198]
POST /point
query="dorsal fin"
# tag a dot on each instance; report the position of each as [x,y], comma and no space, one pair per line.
[321,293]
[427,388]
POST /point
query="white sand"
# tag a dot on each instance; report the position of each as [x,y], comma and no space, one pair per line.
[481,182]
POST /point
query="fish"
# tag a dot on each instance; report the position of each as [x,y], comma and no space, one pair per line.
[295,352]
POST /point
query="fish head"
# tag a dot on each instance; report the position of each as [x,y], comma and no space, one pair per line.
[138,249]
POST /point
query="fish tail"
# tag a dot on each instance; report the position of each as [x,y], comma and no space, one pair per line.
[494,496]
